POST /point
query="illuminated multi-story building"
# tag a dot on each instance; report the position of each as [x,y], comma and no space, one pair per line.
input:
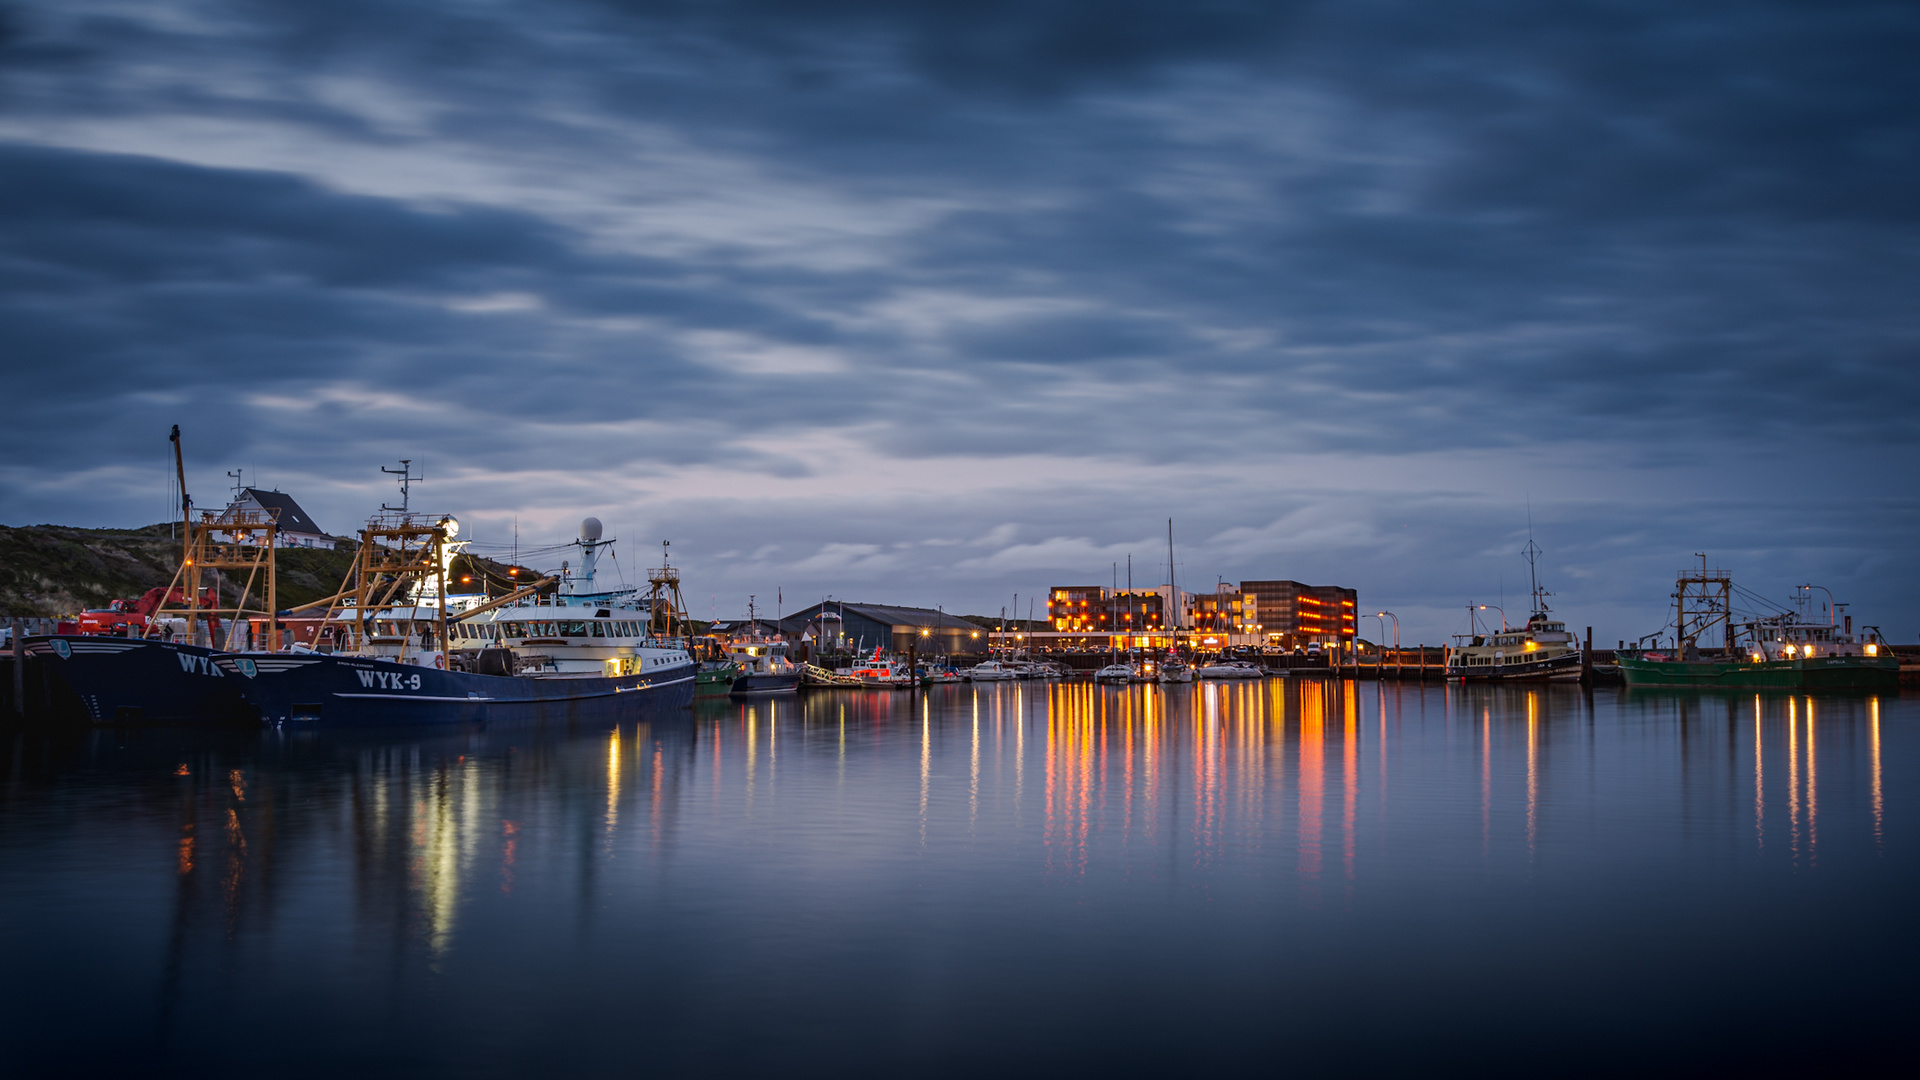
[1095,609]
[1225,612]
[1294,615]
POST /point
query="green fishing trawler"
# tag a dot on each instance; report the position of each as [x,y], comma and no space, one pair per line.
[714,677]
[1792,649]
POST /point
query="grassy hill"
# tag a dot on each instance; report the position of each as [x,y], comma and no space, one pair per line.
[55,570]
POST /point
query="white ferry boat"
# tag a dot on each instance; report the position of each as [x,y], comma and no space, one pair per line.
[1543,650]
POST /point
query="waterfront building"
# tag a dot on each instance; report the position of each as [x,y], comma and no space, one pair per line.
[1226,617]
[1094,609]
[1294,615]
[837,626]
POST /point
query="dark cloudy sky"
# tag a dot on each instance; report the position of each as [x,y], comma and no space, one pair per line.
[932,303]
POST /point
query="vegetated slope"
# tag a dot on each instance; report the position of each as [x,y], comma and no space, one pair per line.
[55,570]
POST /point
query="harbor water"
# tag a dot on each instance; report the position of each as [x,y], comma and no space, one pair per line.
[1308,876]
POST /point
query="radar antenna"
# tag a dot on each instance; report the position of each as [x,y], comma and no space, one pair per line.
[405,473]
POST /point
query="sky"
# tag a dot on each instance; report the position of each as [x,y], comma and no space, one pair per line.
[940,303]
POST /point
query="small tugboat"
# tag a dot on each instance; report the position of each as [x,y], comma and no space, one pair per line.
[1791,649]
[1543,650]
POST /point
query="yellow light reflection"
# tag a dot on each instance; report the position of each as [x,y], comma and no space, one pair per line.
[1813,792]
[1793,778]
[1759,780]
[1873,751]
[613,782]
[1533,765]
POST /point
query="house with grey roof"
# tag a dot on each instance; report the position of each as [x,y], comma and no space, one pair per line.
[297,529]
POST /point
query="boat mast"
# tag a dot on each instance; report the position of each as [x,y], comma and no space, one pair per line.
[1173,590]
[191,573]
[1532,552]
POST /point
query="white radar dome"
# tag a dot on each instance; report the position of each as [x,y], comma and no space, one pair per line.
[590,530]
[452,525]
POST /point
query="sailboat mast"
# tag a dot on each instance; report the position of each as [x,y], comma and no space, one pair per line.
[1173,588]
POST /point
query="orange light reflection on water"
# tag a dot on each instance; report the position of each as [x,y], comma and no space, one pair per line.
[1312,782]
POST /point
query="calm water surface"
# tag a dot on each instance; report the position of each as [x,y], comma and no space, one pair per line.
[1305,877]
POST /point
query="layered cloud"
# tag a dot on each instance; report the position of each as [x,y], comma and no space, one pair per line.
[939,302]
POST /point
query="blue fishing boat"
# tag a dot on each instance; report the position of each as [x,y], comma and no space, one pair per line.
[135,681]
[363,691]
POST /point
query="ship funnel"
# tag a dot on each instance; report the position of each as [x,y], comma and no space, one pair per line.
[590,530]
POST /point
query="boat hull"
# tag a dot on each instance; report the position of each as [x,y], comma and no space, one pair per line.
[757,683]
[1562,668]
[714,682]
[335,691]
[1818,673]
[135,681]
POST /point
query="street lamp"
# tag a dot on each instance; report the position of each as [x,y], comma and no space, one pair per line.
[1832,612]
[1383,616]
[1503,614]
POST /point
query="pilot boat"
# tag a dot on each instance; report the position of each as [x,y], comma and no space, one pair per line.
[877,670]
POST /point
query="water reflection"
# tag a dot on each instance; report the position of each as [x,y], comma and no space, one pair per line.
[411,855]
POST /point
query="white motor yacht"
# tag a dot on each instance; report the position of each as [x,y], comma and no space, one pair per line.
[992,671]
[1229,669]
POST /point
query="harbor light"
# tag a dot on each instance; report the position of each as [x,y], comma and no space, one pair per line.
[1757,658]
[1873,649]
